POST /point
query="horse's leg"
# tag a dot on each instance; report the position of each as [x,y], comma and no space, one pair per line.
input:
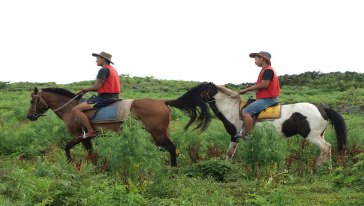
[324,146]
[328,153]
[232,148]
[162,140]
[156,117]
[87,144]
[69,146]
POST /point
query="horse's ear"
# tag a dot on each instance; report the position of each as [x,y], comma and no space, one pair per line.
[35,90]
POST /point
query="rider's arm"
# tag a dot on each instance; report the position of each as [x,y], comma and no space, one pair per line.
[267,76]
[264,84]
[101,76]
[98,84]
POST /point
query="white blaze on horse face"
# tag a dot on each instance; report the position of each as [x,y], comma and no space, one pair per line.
[229,107]
[231,150]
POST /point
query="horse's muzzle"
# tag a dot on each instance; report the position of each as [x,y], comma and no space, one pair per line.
[32,117]
[35,116]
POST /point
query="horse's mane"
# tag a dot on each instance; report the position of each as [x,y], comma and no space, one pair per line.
[197,90]
[195,107]
[60,91]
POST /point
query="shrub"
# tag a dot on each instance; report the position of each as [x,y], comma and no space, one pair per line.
[301,156]
[183,190]
[217,169]
[131,155]
[265,150]
[34,138]
[352,176]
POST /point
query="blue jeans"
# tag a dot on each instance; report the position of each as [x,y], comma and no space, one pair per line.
[259,105]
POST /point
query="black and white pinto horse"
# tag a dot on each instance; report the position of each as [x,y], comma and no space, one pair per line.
[308,120]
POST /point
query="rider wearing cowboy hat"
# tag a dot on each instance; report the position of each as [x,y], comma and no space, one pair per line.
[267,91]
[107,86]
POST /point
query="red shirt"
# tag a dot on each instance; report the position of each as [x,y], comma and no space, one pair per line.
[112,82]
[273,89]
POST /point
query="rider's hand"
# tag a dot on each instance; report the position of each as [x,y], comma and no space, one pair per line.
[82,92]
[243,91]
[79,94]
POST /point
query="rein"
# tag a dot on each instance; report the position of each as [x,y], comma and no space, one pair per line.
[67,103]
[221,98]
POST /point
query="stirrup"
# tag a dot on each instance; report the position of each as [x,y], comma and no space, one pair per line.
[83,133]
[84,136]
[241,134]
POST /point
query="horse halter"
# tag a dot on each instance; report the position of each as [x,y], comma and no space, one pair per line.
[41,100]
[37,100]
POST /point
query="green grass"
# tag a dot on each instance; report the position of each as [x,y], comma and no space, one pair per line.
[131,170]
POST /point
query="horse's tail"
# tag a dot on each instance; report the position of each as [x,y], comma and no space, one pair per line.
[340,128]
[195,108]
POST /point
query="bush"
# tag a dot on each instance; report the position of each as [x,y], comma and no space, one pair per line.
[34,138]
[3,85]
[217,169]
[301,156]
[352,176]
[131,155]
[264,151]
[60,183]
[183,190]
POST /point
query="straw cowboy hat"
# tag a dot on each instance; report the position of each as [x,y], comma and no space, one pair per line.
[263,54]
[104,55]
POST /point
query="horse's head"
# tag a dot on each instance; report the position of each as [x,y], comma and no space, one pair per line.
[209,90]
[37,105]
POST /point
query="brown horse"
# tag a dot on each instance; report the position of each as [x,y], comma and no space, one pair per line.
[154,113]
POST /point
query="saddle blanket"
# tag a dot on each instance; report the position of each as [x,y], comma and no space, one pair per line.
[273,112]
[115,112]
[270,113]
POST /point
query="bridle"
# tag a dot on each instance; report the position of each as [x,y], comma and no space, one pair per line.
[41,100]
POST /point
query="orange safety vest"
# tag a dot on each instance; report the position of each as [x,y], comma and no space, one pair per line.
[112,82]
[273,89]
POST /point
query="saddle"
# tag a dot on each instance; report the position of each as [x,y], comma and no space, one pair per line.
[272,112]
[115,112]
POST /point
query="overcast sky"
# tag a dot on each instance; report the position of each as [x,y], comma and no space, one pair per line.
[43,40]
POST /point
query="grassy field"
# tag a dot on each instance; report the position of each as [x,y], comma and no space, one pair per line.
[131,170]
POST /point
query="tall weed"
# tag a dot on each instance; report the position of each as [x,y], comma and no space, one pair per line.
[265,151]
[131,155]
